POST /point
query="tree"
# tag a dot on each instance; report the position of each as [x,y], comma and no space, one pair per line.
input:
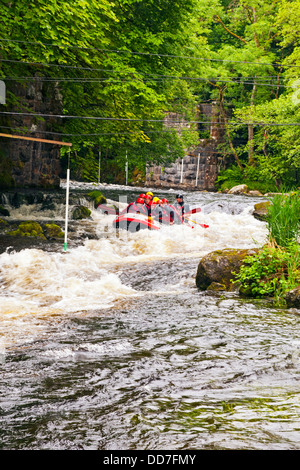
[281,114]
[88,48]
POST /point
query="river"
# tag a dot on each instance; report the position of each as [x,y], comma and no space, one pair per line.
[110,345]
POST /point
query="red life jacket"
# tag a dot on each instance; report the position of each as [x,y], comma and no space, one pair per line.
[137,208]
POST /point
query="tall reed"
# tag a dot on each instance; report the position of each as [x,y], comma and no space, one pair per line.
[284,218]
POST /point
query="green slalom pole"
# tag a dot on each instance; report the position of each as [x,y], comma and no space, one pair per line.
[67,209]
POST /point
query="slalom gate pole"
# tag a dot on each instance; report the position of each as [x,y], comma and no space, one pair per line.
[181,174]
[67,205]
[197,169]
[126,169]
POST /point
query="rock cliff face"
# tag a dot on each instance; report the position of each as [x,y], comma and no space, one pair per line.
[28,163]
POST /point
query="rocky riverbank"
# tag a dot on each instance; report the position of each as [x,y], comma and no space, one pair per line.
[216,272]
[36,218]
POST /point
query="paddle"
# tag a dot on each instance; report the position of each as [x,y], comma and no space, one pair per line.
[193,211]
[197,223]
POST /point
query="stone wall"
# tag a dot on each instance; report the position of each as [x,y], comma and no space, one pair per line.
[28,163]
[199,168]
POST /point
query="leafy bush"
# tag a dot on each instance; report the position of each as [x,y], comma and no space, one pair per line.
[229,178]
[248,175]
[275,269]
[271,272]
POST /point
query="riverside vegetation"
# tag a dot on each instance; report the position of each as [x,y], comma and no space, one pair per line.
[274,270]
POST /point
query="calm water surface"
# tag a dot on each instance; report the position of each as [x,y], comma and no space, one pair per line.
[112,346]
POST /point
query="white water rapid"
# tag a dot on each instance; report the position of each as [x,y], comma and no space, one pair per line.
[36,285]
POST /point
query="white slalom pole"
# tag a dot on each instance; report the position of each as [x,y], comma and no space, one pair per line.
[197,169]
[67,209]
[126,169]
[181,176]
[99,166]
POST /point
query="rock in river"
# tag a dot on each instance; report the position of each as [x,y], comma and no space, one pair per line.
[53,232]
[81,212]
[261,210]
[216,269]
[293,298]
[239,189]
[28,229]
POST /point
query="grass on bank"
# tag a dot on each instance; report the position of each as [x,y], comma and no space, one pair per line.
[275,269]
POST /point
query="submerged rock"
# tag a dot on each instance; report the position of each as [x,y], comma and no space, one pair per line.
[4,211]
[215,270]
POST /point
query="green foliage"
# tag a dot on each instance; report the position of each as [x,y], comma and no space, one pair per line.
[283,218]
[270,273]
[229,178]
[275,269]
[248,175]
[276,155]
[85,46]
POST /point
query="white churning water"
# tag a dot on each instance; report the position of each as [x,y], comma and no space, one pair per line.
[35,284]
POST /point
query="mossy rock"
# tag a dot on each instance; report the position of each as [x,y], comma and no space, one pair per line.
[81,212]
[292,298]
[97,197]
[216,286]
[261,210]
[28,229]
[53,232]
[4,226]
[216,269]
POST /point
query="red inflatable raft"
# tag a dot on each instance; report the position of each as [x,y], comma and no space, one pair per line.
[133,222]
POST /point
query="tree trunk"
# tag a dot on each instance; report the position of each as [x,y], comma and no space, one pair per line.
[223,113]
[250,129]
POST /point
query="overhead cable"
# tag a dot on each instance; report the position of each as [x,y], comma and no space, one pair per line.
[150,54]
[102,118]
